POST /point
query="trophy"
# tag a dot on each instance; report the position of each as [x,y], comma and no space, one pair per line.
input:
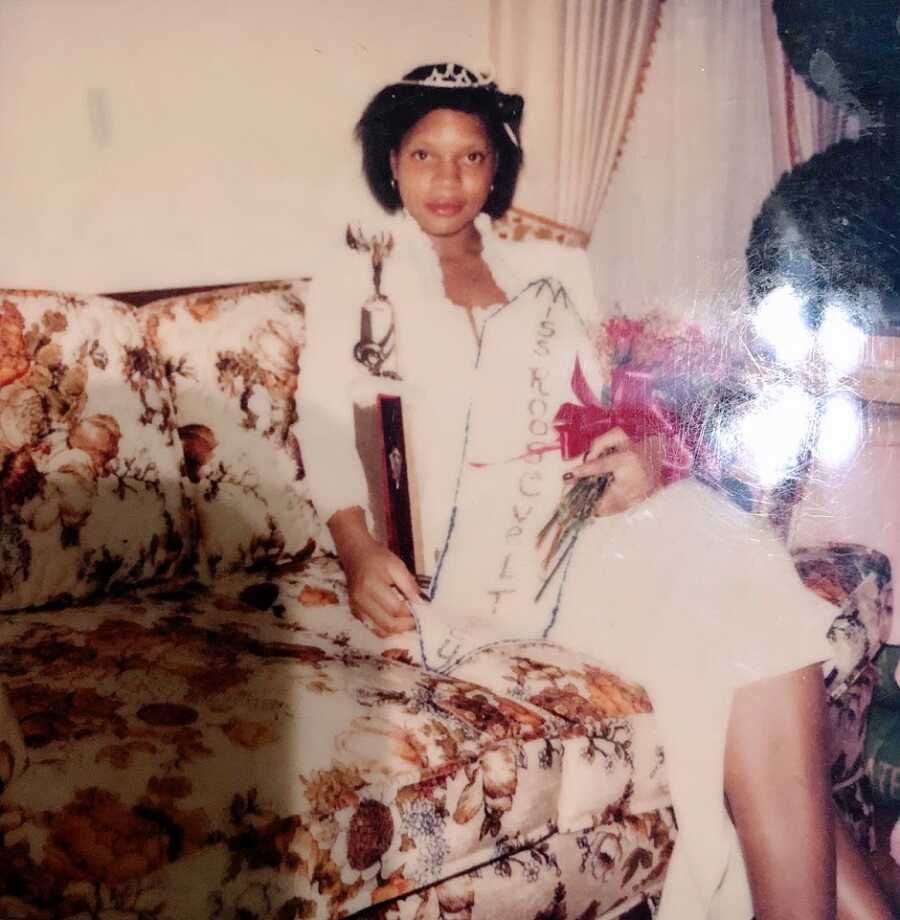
[376,349]
[380,440]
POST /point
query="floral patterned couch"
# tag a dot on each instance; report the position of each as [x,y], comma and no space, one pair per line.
[195,726]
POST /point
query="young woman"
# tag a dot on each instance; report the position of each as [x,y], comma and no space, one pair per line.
[681,592]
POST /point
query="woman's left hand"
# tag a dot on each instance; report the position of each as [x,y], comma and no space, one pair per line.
[633,470]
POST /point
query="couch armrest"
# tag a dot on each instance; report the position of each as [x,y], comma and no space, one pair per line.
[858,581]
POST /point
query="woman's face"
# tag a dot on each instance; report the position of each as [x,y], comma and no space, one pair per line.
[444,169]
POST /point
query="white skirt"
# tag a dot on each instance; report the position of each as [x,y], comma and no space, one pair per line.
[692,598]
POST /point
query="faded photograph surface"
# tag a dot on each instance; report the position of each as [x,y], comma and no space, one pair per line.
[449,459]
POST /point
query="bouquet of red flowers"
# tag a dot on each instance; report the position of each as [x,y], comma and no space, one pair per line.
[663,383]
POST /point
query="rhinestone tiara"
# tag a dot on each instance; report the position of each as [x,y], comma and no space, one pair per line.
[451,76]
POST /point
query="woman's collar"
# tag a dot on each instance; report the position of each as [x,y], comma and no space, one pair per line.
[417,244]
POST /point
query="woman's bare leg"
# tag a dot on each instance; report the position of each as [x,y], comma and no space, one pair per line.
[776,782]
[801,860]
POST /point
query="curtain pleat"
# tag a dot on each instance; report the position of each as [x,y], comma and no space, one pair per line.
[721,116]
[580,127]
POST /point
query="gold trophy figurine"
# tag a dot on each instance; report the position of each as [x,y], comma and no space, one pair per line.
[376,349]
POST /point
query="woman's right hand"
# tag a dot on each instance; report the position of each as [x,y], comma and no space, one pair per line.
[380,586]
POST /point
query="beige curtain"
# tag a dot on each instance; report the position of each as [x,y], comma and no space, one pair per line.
[709,140]
[579,64]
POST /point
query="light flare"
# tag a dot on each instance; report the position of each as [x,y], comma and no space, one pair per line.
[779,320]
[774,430]
[840,340]
[840,430]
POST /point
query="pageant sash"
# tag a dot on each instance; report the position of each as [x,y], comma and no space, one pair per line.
[490,583]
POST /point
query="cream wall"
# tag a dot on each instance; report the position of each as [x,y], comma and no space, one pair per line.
[192,141]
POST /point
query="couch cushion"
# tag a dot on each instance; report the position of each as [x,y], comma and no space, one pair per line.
[566,875]
[188,748]
[233,359]
[90,491]
[256,751]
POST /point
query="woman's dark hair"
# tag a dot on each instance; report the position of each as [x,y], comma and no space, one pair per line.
[398,107]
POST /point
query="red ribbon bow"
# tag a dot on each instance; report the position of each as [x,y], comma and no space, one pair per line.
[635,408]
